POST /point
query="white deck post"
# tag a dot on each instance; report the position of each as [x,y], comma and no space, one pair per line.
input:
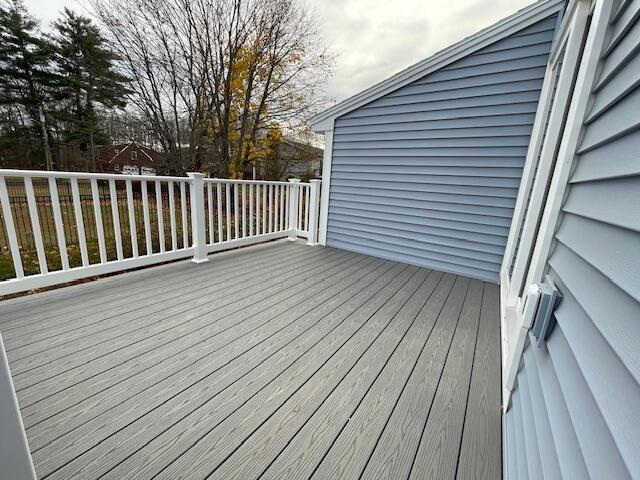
[15,458]
[294,191]
[314,206]
[198,229]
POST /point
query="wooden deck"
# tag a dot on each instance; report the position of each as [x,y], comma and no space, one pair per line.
[278,361]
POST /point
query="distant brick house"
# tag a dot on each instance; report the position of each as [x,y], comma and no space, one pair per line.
[129,159]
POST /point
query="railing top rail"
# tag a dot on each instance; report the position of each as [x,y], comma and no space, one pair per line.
[85,175]
[251,182]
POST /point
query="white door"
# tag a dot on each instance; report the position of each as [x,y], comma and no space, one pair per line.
[519,299]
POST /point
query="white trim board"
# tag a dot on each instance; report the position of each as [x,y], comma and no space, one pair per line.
[520,20]
[326,185]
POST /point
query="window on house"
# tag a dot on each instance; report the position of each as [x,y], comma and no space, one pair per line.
[134,155]
[117,168]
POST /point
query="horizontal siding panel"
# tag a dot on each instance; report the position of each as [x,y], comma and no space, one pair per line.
[510,445]
[594,293]
[482,132]
[541,26]
[540,419]
[433,151]
[476,242]
[379,249]
[451,104]
[617,396]
[464,142]
[499,215]
[625,20]
[429,196]
[494,172]
[536,38]
[399,123]
[617,121]
[503,80]
[448,228]
[593,353]
[624,50]
[411,211]
[588,239]
[597,165]
[531,440]
[598,447]
[493,69]
[516,108]
[523,454]
[612,202]
[499,88]
[617,88]
[422,244]
[619,9]
[499,56]
[429,179]
[408,188]
[567,448]
[429,173]
[448,161]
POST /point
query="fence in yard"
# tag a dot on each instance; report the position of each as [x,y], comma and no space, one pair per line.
[57,227]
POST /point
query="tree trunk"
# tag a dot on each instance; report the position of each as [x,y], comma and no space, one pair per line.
[45,140]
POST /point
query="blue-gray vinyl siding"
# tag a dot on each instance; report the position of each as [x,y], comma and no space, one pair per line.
[576,407]
[429,174]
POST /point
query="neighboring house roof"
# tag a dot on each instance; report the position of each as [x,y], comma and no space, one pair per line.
[303,148]
[113,154]
[519,20]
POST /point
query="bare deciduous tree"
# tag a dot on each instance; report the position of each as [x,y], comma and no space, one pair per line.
[210,76]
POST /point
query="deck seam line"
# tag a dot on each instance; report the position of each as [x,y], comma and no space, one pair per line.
[274,378]
[198,360]
[466,403]
[123,302]
[329,358]
[168,399]
[372,382]
[415,364]
[159,346]
[426,420]
[89,334]
[186,273]
[314,373]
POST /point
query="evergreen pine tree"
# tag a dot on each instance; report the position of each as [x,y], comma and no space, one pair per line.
[26,77]
[89,78]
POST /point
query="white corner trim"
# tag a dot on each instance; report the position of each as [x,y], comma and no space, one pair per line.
[550,140]
[585,81]
[326,184]
[522,19]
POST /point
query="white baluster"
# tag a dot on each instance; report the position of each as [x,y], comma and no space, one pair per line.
[35,225]
[115,214]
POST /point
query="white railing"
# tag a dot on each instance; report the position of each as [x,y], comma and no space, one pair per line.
[61,226]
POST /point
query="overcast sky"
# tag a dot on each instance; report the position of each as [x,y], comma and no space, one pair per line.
[373,39]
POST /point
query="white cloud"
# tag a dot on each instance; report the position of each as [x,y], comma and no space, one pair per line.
[373,39]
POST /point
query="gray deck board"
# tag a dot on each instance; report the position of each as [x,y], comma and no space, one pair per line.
[174,324]
[63,321]
[277,361]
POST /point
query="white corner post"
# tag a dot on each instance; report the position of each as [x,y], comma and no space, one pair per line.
[326,184]
[313,212]
[15,457]
[198,231]
[294,195]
